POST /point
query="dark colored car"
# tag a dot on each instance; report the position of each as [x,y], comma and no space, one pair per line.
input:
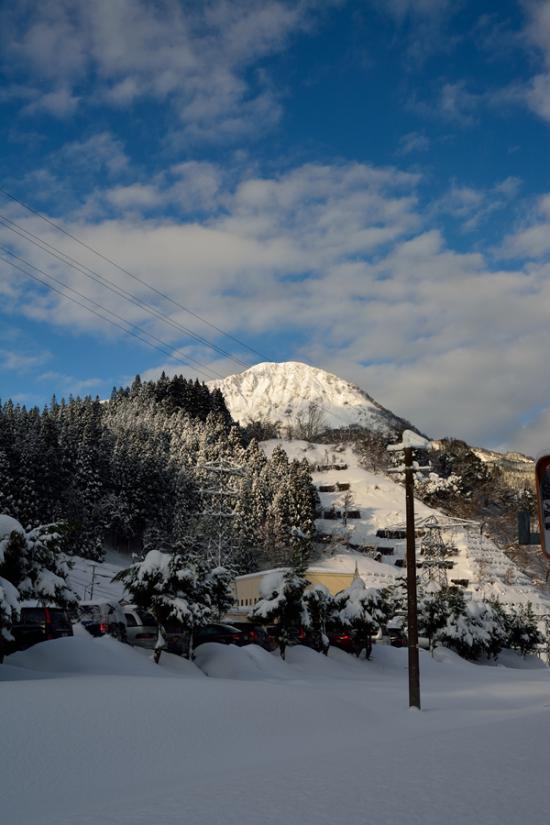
[38,624]
[343,640]
[397,637]
[225,634]
[177,638]
[256,634]
[103,617]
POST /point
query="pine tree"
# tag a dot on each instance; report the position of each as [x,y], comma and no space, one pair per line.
[362,610]
[32,566]
[523,633]
[319,606]
[433,611]
[219,586]
[170,590]
[476,630]
[282,603]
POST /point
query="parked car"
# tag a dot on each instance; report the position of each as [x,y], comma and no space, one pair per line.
[225,634]
[342,640]
[103,617]
[177,638]
[256,634]
[141,627]
[397,637]
[37,623]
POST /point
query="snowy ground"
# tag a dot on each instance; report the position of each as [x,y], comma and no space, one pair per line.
[94,734]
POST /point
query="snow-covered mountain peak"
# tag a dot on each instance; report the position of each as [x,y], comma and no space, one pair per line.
[285,392]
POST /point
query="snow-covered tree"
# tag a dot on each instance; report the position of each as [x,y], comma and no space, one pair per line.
[32,566]
[282,603]
[218,583]
[318,606]
[361,609]
[434,608]
[166,586]
[523,633]
[477,630]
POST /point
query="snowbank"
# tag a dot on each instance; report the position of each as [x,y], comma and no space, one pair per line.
[110,739]
[84,655]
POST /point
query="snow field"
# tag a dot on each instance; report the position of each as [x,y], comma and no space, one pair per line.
[313,740]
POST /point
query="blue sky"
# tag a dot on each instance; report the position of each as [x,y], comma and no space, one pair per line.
[364,186]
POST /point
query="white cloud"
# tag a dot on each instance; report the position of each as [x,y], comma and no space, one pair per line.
[197,56]
[69,384]
[532,239]
[60,102]
[345,258]
[99,153]
[21,361]
[413,142]
[537,35]
[471,205]
[534,437]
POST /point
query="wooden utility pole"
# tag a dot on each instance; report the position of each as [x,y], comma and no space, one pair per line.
[412,609]
[411,441]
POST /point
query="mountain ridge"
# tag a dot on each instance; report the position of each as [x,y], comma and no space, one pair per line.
[284,393]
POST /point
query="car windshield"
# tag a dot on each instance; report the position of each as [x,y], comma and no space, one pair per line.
[59,618]
[32,615]
[146,619]
[90,613]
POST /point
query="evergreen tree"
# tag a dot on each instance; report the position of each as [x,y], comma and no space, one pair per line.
[32,566]
[476,630]
[319,606]
[523,633]
[433,611]
[363,611]
[170,590]
[219,586]
[282,603]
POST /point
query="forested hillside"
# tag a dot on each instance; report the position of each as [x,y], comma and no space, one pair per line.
[160,465]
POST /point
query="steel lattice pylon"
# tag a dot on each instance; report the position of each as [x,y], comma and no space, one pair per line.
[219,499]
[434,552]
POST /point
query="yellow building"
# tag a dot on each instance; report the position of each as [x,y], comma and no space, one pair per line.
[246,589]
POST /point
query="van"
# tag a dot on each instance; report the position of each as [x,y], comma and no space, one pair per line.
[38,623]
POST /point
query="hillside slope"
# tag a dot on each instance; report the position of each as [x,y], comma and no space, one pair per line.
[377,503]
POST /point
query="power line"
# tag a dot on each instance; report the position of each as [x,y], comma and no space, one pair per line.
[180,359]
[131,275]
[90,273]
[117,290]
[167,349]
[174,353]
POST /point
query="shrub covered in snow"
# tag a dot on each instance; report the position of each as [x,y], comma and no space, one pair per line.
[32,566]
[477,630]
[361,609]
